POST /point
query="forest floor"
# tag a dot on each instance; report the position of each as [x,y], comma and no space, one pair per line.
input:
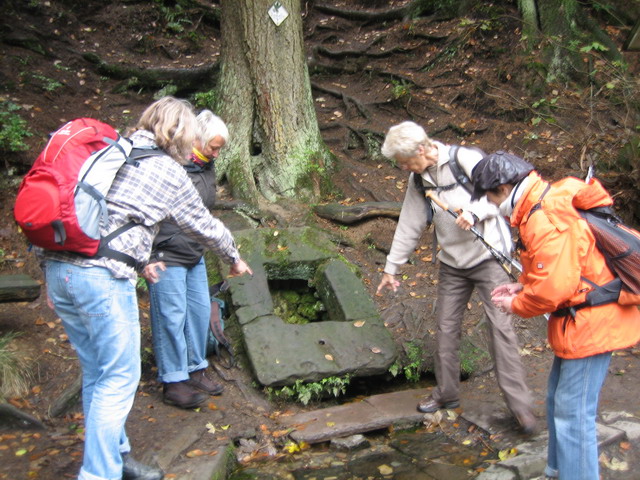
[468,81]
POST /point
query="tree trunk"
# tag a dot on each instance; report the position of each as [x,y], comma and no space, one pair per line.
[561,28]
[275,148]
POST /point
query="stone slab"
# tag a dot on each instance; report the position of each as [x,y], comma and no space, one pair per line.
[374,413]
[631,429]
[18,288]
[353,340]
[607,435]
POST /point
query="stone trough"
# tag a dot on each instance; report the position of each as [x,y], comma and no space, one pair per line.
[350,339]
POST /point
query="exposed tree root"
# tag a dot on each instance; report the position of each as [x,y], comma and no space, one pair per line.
[182,78]
[348,100]
[411,9]
[349,214]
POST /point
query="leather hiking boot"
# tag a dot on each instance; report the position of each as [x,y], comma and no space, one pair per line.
[182,395]
[527,422]
[134,470]
[430,405]
[200,381]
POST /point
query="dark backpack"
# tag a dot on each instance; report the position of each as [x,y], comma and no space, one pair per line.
[217,342]
[61,204]
[620,246]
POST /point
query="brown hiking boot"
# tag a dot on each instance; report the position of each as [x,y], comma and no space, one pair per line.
[200,381]
[182,395]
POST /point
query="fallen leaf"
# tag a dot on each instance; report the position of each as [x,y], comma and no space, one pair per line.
[211,428]
[507,453]
[195,453]
[385,470]
[375,350]
[359,323]
[329,357]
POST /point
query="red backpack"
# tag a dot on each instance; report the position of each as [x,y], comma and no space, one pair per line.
[61,201]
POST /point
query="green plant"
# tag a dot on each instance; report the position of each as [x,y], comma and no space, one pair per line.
[169,89]
[208,99]
[46,83]
[304,392]
[13,128]
[175,17]
[400,89]
[413,368]
[141,284]
[471,357]
[14,375]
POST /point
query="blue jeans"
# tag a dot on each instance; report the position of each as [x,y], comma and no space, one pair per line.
[100,315]
[572,403]
[180,310]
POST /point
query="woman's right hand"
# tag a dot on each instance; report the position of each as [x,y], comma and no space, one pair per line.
[506,290]
[150,271]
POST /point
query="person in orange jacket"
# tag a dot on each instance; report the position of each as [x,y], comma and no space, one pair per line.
[558,256]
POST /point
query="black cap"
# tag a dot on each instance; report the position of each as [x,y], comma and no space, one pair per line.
[497,169]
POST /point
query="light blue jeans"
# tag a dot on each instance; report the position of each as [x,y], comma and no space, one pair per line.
[572,403]
[180,310]
[100,315]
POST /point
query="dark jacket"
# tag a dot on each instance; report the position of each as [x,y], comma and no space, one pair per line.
[173,247]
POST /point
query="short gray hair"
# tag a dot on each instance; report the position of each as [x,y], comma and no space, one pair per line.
[211,126]
[404,140]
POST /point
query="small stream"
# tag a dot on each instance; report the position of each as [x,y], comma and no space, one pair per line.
[445,447]
[406,455]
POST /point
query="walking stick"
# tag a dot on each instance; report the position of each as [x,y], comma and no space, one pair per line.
[507,263]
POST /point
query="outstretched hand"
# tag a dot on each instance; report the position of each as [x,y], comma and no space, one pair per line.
[502,296]
[388,281]
[240,268]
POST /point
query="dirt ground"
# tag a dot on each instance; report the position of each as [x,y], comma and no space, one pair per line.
[464,80]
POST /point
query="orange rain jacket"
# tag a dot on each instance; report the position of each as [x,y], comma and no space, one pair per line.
[559,248]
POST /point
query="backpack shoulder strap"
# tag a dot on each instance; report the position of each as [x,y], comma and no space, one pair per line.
[460,175]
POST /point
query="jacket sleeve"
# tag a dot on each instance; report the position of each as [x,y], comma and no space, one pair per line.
[551,263]
[413,219]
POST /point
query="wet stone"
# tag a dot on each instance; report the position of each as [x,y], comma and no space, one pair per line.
[352,340]
[351,443]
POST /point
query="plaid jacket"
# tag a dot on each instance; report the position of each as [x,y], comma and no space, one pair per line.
[158,188]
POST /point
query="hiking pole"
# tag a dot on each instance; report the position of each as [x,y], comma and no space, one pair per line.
[508,264]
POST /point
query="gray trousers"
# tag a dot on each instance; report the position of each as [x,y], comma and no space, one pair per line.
[454,291]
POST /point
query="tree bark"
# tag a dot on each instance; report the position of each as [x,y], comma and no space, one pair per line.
[275,147]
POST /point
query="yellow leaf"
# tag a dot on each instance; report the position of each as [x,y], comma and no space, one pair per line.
[329,357]
[225,427]
[507,453]
[385,470]
[292,447]
[359,323]
[210,428]
[331,424]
